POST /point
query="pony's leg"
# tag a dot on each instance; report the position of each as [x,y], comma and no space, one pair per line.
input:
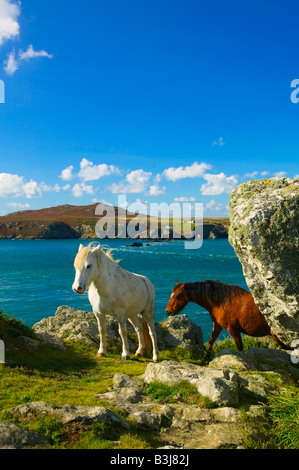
[102,332]
[149,318]
[122,329]
[137,324]
[236,337]
[215,333]
[281,344]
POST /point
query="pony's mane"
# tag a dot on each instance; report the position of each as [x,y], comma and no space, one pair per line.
[216,291]
[82,255]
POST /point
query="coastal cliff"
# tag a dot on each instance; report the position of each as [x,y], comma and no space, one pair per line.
[78,222]
[264,232]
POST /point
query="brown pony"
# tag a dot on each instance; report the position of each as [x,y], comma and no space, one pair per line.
[230,307]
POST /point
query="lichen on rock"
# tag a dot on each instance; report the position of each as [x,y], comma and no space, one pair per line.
[264,232]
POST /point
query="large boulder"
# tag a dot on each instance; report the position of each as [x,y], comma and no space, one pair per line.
[264,232]
[219,385]
[78,325]
[16,437]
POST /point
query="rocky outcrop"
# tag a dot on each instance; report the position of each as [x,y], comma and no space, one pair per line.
[78,325]
[68,222]
[58,231]
[224,407]
[16,437]
[264,232]
[65,414]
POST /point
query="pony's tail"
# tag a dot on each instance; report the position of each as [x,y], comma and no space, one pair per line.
[147,338]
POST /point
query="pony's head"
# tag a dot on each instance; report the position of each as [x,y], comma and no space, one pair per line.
[85,266]
[178,300]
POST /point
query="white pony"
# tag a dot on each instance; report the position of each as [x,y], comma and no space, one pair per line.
[119,293]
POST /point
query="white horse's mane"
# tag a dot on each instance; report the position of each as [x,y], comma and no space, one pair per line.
[103,249]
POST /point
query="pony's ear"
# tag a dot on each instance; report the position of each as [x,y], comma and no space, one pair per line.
[96,248]
[80,248]
[177,283]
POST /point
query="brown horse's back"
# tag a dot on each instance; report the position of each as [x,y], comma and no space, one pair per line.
[239,312]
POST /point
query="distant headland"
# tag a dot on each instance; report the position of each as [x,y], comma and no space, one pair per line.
[79,222]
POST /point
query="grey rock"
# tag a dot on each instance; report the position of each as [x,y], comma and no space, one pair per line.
[48,338]
[66,414]
[219,385]
[125,381]
[78,325]
[15,437]
[258,359]
[29,343]
[264,232]
[180,331]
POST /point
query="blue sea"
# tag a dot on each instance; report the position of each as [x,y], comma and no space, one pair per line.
[36,277]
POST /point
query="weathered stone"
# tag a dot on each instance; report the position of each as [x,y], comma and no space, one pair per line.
[124,381]
[231,359]
[48,338]
[189,426]
[15,437]
[180,331]
[210,436]
[29,343]
[258,359]
[78,325]
[70,323]
[264,232]
[66,414]
[220,385]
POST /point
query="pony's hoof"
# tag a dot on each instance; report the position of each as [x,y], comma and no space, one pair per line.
[139,355]
[125,358]
[156,361]
[101,355]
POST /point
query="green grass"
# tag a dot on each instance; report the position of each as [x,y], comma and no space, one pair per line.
[284,414]
[183,392]
[74,376]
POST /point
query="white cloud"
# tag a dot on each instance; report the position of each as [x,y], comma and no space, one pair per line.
[280,174]
[156,190]
[11,64]
[158,178]
[10,29]
[80,189]
[9,24]
[213,206]
[46,188]
[135,182]
[90,172]
[251,175]
[185,199]
[219,142]
[265,173]
[30,53]
[193,171]
[12,186]
[218,184]
[67,174]
[17,205]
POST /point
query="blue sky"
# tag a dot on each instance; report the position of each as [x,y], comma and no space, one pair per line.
[159,100]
